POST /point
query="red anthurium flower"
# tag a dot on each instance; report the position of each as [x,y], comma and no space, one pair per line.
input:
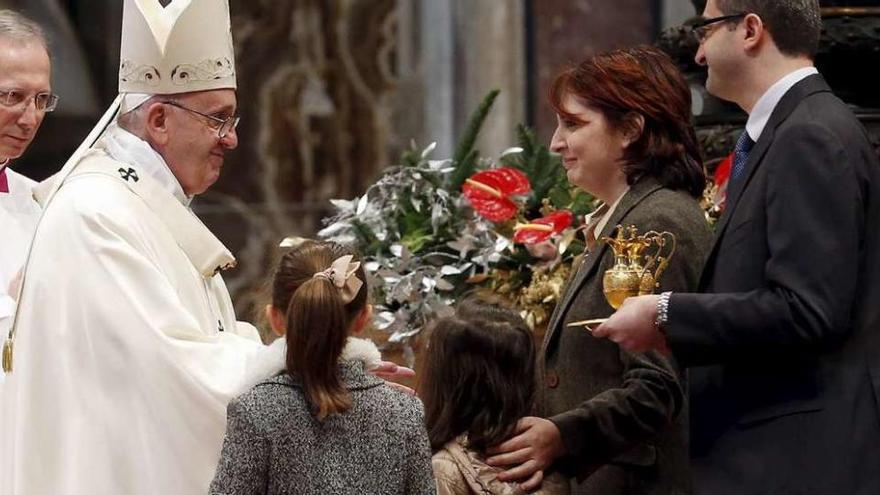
[722,172]
[489,192]
[539,230]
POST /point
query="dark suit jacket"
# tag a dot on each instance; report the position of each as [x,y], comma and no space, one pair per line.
[619,413]
[783,351]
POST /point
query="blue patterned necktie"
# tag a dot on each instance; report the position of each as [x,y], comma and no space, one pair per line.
[740,155]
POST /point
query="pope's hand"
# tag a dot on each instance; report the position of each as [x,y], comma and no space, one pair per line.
[536,445]
[389,371]
[632,326]
[15,284]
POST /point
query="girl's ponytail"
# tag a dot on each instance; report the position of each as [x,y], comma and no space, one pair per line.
[319,315]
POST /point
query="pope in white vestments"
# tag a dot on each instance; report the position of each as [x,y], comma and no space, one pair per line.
[126,349]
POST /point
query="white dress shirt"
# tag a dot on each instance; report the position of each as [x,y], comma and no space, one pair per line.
[767,103]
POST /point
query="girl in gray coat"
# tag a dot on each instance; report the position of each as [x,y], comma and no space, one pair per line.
[325,425]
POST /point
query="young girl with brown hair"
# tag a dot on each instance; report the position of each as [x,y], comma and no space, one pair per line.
[478,380]
[326,425]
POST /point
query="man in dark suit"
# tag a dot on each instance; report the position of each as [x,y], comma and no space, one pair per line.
[783,345]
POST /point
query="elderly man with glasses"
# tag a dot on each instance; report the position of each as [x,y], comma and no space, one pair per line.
[126,350]
[25,98]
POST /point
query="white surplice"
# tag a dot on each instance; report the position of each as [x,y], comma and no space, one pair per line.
[127,349]
[19,214]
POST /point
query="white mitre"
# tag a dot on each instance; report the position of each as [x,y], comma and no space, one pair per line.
[183,47]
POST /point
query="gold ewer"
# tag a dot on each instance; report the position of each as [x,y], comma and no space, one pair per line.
[639,261]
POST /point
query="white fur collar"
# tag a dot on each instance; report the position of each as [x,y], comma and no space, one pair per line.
[271,359]
[361,350]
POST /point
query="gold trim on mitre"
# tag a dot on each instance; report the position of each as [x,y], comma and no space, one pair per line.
[183,47]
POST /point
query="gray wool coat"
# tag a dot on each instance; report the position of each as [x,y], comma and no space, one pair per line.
[622,415]
[274,445]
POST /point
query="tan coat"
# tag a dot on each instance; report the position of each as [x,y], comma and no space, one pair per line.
[459,470]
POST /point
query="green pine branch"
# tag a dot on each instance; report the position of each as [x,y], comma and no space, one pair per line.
[544,170]
[366,241]
[465,157]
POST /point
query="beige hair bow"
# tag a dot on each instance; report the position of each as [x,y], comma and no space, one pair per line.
[342,274]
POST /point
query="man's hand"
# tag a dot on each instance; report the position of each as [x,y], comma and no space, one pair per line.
[536,445]
[632,326]
[387,371]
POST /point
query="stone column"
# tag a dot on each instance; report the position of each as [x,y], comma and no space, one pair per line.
[435,79]
[491,53]
[675,12]
[465,48]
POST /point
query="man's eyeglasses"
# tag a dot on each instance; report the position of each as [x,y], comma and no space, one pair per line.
[13,98]
[223,126]
[703,29]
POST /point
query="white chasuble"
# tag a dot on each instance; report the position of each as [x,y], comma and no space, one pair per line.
[127,350]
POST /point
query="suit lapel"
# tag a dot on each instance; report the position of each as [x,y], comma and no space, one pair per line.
[637,192]
[790,101]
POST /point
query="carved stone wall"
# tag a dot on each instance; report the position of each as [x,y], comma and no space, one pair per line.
[331,91]
[315,80]
[565,32]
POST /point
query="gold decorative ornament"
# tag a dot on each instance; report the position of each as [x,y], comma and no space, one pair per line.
[639,261]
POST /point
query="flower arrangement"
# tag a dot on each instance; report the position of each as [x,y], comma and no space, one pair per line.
[715,195]
[432,231]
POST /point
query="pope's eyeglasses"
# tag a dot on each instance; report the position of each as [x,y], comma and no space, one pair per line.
[223,126]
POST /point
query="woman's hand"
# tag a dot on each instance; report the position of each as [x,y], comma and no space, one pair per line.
[536,444]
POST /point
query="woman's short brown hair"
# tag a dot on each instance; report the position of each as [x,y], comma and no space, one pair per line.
[640,81]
